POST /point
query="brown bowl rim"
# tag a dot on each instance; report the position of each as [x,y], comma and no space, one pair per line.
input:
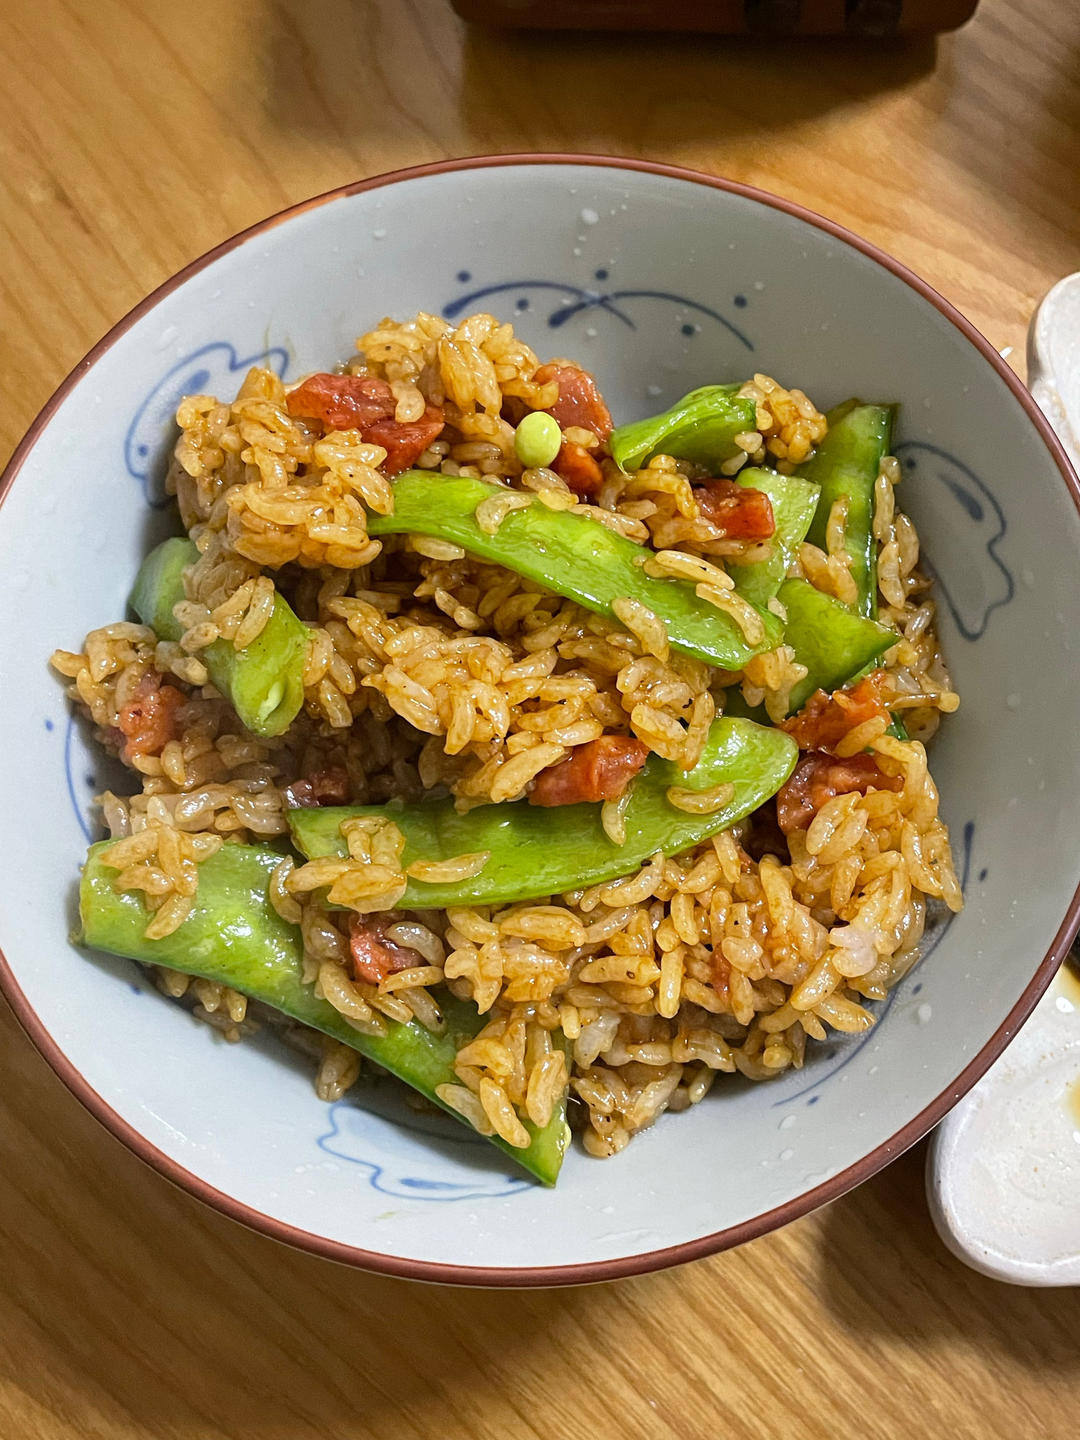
[521,1276]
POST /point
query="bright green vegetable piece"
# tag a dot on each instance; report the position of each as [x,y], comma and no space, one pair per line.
[265,680]
[234,937]
[794,502]
[898,730]
[701,427]
[829,639]
[573,555]
[537,439]
[736,707]
[846,465]
[537,851]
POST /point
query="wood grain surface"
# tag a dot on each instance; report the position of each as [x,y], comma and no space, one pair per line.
[134,134]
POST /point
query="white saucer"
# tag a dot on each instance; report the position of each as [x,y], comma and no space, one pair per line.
[1003,1176]
[1003,1172]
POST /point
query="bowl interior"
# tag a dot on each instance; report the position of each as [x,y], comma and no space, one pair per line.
[658,284]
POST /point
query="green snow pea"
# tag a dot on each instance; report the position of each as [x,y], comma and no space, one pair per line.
[837,647]
[537,852]
[701,427]
[235,937]
[736,708]
[573,555]
[846,465]
[829,639]
[793,501]
[264,681]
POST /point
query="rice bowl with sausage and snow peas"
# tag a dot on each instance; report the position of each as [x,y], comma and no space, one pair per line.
[555,767]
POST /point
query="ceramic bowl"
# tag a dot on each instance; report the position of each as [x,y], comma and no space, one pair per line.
[1003,1170]
[659,280]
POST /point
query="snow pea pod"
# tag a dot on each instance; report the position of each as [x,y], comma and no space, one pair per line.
[538,852]
[793,502]
[234,937]
[573,555]
[846,465]
[701,427]
[736,707]
[829,639]
[265,680]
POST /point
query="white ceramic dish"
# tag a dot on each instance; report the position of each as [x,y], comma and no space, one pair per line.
[1003,1171]
[1003,1177]
[659,280]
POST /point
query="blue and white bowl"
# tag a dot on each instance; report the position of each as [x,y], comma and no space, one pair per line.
[659,280]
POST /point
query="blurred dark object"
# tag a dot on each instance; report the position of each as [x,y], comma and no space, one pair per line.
[877,18]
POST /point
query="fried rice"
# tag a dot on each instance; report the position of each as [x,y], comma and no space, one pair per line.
[429,671]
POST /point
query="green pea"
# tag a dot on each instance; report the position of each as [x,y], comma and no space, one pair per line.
[537,440]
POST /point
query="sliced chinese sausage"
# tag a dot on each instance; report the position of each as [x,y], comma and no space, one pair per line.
[599,770]
[825,719]
[342,402]
[324,787]
[374,955]
[580,402]
[578,468]
[405,440]
[738,512]
[367,404]
[148,721]
[819,777]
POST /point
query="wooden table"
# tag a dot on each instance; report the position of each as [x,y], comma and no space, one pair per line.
[134,135]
